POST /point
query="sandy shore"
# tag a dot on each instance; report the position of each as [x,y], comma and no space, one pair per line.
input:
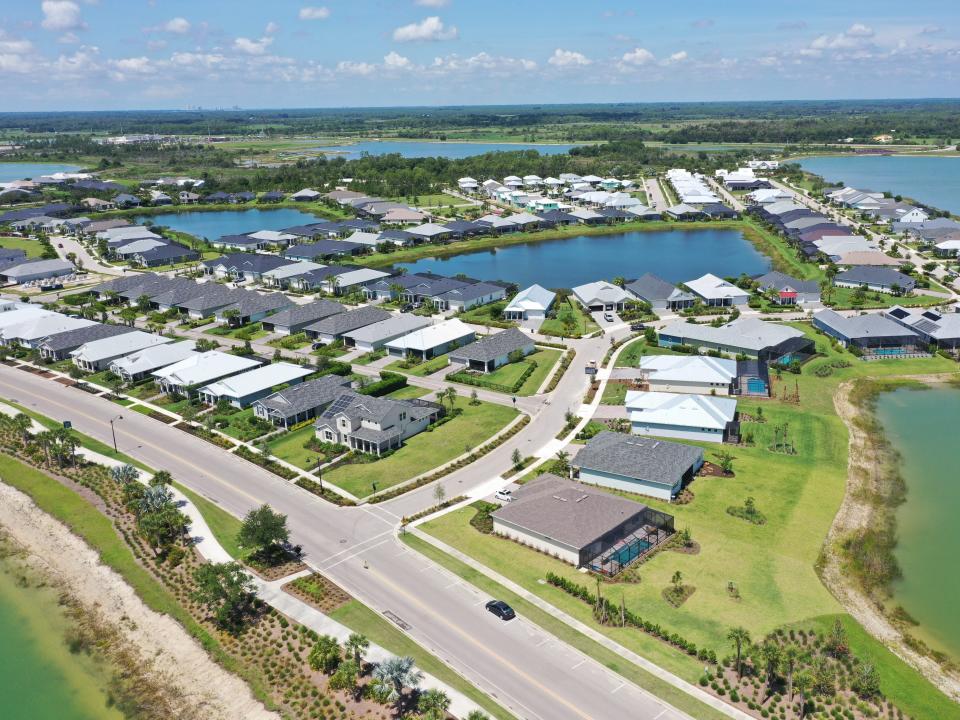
[208,690]
[855,514]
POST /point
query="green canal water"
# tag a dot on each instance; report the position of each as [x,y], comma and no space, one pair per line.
[39,678]
[922,425]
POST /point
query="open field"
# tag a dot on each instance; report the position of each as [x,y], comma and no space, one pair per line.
[32,248]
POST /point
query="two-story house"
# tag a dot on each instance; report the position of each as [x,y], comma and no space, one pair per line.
[373,425]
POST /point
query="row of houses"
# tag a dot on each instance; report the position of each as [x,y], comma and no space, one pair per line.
[551,185]
[141,247]
[876,205]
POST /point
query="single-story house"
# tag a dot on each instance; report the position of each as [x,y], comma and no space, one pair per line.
[287,275]
[36,270]
[682,211]
[136,366]
[531,303]
[789,290]
[251,307]
[706,418]
[717,292]
[375,336]
[295,318]
[343,282]
[303,401]
[933,327]
[305,195]
[332,328]
[750,337]
[658,293]
[699,374]
[469,296]
[323,250]
[490,352]
[873,334]
[241,390]
[169,254]
[433,340]
[374,424]
[59,346]
[184,376]
[601,295]
[878,279]
[34,329]
[97,355]
[244,266]
[581,526]
[658,468]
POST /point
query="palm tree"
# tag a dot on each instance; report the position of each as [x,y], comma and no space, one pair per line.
[791,656]
[740,637]
[433,704]
[154,499]
[562,462]
[123,474]
[803,682]
[23,424]
[772,655]
[394,675]
[357,646]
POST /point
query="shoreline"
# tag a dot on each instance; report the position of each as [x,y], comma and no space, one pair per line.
[172,658]
[856,514]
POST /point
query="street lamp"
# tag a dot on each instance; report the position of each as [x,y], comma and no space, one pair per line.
[113,431]
[319,476]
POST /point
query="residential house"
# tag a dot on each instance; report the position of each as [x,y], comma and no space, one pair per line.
[705,418]
[747,337]
[374,425]
[305,195]
[36,270]
[658,293]
[97,355]
[493,351]
[298,403]
[375,336]
[35,328]
[531,303]
[138,365]
[469,296]
[871,335]
[601,296]
[243,389]
[169,254]
[323,250]
[878,279]
[295,318]
[59,346]
[433,340]
[698,374]
[941,329]
[717,292]
[789,290]
[185,376]
[332,328]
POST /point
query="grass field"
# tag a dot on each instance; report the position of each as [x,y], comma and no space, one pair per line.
[582,324]
[423,452]
[772,565]
[423,369]
[32,248]
[630,355]
[409,392]
[546,360]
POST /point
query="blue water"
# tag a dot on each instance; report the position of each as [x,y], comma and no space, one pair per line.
[212,225]
[23,171]
[931,180]
[675,255]
[451,150]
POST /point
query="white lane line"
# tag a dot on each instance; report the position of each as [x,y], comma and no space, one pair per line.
[453,584]
[579,664]
[327,568]
[659,714]
[617,688]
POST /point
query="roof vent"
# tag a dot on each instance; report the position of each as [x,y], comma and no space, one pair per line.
[582,498]
[561,499]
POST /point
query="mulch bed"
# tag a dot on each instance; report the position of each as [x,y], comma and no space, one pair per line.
[87,388]
[275,572]
[46,374]
[694,548]
[65,381]
[10,363]
[675,601]
[165,419]
[31,369]
[333,595]
[685,497]
[711,470]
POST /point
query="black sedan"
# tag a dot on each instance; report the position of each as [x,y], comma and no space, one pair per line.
[501,609]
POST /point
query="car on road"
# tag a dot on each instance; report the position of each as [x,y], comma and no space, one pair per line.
[501,609]
[504,495]
[637,327]
[59,245]
[608,317]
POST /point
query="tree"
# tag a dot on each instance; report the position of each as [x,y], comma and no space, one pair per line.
[394,675]
[791,656]
[620,281]
[123,474]
[803,682]
[725,461]
[740,637]
[562,462]
[23,424]
[161,528]
[161,477]
[356,646]
[772,655]
[477,715]
[433,704]
[226,591]
[439,493]
[836,643]
[866,681]
[325,655]
[265,531]
[516,458]
[474,397]
[677,582]
[345,677]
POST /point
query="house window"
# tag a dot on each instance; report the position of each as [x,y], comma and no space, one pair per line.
[328,435]
[403,416]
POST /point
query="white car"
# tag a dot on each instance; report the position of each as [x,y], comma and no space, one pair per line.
[504,495]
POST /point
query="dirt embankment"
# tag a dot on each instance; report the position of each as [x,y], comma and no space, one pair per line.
[857,513]
[203,689]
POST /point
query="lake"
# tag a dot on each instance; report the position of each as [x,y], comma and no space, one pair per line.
[675,255]
[931,180]
[919,424]
[39,678]
[22,171]
[212,225]
[451,150]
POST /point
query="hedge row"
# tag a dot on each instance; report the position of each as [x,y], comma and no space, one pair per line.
[406,520]
[468,378]
[388,382]
[565,361]
[334,368]
[314,487]
[612,610]
[264,462]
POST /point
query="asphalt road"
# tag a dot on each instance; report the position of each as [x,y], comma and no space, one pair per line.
[528,671]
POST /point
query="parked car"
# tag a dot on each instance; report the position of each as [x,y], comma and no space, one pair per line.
[406,308]
[504,495]
[637,327]
[608,317]
[501,609]
[59,245]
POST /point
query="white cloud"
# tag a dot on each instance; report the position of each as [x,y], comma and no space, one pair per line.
[860,30]
[156,44]
[15,54]
[432,3]
[430,29]
[271,29]
[178,26]
[61,15]
[123,68]
[568,58]
[854,36]
[637,56]
[396,61]
[14,46]
[252,47]
[349,67]
[206,61]
[314,13]
[676,57]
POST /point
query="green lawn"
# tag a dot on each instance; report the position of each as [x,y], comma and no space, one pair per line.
[241,425]
[168,403]
[423,369]
[630,355]
[482,314]
[546,360]
[423,452]
[289,447]
[409,392]
[32,248]
[772,565]
[223,525]
[615,393]
[842,298]
[290,342]
[580,323]
[361,619]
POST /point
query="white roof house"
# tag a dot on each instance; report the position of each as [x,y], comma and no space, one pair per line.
[22,314]
[305,194]
[243,389]
[689,373]
[140,363]
[203,367]
[36,327]
[272,236]
[432,340]
[138,246]
[601,295]
[375,336]
[690,417]
[354,277]
[365,238]
[533,301]
[292,270]
[717,291]
[98,354]
[127,232]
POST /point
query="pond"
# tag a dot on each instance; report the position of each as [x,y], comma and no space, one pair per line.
[39,678]
[675,255]
[22,171]
[918,423]
[931,180]
[217,223]
[451,150]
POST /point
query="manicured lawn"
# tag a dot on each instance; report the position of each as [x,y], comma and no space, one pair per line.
[843,298]
[423,369]
[615,393]
[242,427]
[580,323]
[481,315]
[289,447]
[772,565]
[251,331]
[168,403]
[223,525]
[509,374]
[409,392]
[630,355]
[143,390]
[290,342]
[32,248]
[423,452]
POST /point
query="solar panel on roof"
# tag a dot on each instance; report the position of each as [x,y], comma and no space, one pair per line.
[340,404]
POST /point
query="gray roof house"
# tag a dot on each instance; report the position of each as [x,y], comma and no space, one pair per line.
[469,296]
[601,295]
[296,317]
[332,328]
[755,338]
[252,306]
[375,336]
[301,402]
[879,279]
[210,302]
[580,525]
[644,465]
[490,352]
[660,294]
[36,270]
[872,335]
[789,290]
[96,355]
[934,327]
[59,346]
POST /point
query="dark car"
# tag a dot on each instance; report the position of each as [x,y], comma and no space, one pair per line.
[407,308]
[501,609]
[637,327]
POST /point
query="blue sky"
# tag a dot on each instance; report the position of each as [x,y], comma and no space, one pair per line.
[113,54]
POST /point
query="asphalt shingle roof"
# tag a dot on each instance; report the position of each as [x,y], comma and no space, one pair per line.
[640,458]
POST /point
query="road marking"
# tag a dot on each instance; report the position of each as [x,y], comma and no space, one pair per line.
[617,688]
[453,584]
[350,557]
[660,714]
[582,661]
